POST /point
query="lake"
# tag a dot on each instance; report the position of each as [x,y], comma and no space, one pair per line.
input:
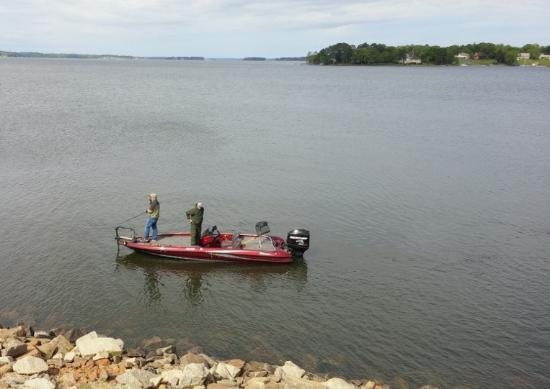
[426,191]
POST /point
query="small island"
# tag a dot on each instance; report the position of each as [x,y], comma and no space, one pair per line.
[464,55]
[254,59]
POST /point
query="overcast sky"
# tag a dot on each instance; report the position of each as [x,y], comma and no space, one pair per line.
[237,28]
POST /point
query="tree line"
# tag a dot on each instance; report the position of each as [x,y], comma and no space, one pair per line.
[378,53]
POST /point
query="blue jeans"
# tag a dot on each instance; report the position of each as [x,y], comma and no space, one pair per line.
[151,223]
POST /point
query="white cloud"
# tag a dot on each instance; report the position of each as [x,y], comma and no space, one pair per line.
[102,23]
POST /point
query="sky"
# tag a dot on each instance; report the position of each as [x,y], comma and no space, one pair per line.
[269,28]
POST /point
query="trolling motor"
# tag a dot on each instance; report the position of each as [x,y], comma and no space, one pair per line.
[297,241]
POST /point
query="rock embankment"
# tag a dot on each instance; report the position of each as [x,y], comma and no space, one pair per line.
[76,360]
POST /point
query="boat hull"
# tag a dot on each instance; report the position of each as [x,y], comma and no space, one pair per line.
[166,248]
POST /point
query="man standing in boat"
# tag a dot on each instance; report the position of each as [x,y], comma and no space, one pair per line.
[194,217]
[153,210]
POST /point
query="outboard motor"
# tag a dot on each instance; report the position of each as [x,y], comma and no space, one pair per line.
[297,241]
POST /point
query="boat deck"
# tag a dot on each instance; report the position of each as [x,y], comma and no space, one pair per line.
[177,240]
[247,243]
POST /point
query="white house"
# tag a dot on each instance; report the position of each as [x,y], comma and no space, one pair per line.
[411,59]
[463,56]
[544,56]
[524,56]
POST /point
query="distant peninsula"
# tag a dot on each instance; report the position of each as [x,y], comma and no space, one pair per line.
[32,54]
[254,59]
[471,54]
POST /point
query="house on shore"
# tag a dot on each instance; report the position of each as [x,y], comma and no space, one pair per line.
[462,56]
[523,56]
[410,59]
[544,56]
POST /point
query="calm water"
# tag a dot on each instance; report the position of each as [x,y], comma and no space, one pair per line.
[427,192]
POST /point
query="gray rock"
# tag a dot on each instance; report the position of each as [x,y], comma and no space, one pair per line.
[38,383]
[256,383]
[14,348]
[69,357]
[338,383]
[73,334]
[42,335]
[193,358]
[91,344]
[5,360]
[136,352]
[13,379]
[101,355]
[6,333]
[172,376]
[165,350]
[47,349]
[30,365]
[302,383]
[194,374]
[289,369]
[129,380]
[227,371]
[63,344]
[136,377]
[155,381]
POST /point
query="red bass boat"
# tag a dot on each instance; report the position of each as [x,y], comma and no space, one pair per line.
[227,247]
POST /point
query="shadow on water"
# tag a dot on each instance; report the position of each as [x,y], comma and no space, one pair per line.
[199,276]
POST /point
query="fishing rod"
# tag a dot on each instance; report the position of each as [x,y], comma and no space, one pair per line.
[132,218]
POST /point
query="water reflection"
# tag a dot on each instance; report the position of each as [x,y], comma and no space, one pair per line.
[197,277]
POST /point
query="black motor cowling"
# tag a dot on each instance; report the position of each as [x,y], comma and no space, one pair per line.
[297,240]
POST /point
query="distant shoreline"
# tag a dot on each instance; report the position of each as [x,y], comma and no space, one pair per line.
[32,54]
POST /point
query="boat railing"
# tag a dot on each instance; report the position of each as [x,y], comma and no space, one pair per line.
[127,230]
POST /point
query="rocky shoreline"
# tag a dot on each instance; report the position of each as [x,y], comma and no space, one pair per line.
[77,359]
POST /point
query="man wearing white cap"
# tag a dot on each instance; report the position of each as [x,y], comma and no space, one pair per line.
[153,210]
[194,217]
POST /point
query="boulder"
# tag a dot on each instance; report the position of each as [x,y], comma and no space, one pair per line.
[14,379]
[137,377]
[155,381]
[91,344]
[101,355]
[172,376]
[129,381]
[289,369]
[226,370]
[67,380]
[338,383]
[14,332]
[38,383]
[256,383]
[136,352]
[239,363]
[30,365]
[47,349]
[194,374]
[369,385]
[4,369]
[14,348]
[63,345]
[5,360]
[73,334]
[69,357]
[193,358]
[42,335]
[155,340]
[165,350]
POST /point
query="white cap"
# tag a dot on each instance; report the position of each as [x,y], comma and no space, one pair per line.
[199,205]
